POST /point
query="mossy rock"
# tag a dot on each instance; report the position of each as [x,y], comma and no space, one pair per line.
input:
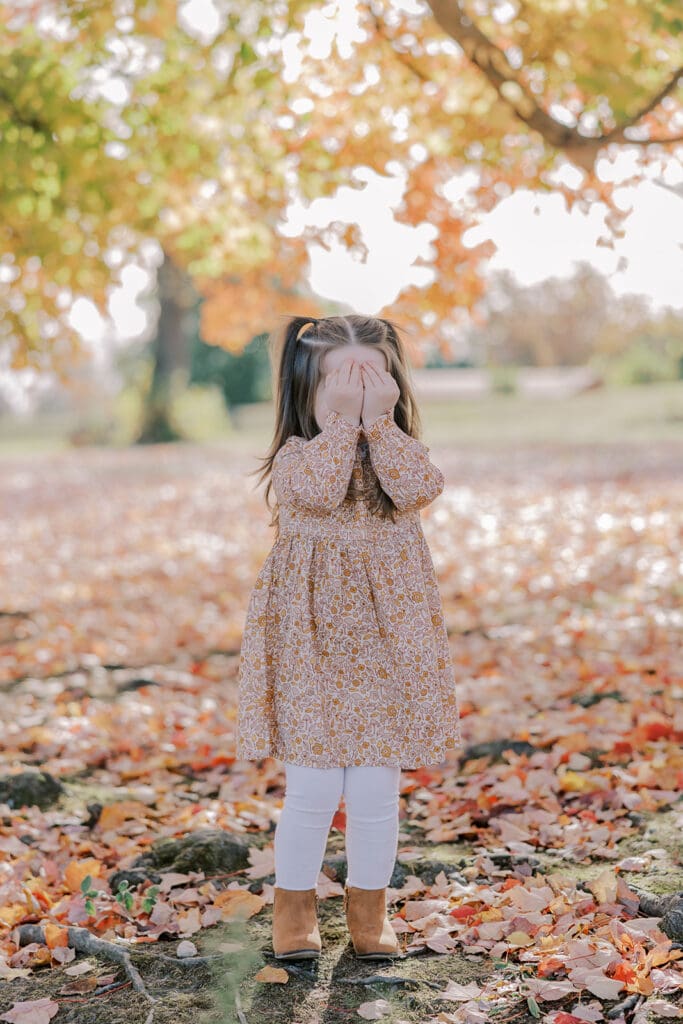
[29,789]
[495,749]
[669,907]
[212,851]
[134,878]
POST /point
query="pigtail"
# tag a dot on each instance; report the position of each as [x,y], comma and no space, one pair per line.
[406,413]
[293,332]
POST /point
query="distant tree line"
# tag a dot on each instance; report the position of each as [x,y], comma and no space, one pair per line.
[574,321]
[570,321]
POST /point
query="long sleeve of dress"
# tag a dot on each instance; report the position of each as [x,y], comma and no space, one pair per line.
[402,465]
[315,474]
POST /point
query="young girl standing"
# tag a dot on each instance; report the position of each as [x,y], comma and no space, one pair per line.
[345,672]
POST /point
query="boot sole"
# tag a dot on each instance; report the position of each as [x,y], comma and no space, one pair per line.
[298,954]
[378,956]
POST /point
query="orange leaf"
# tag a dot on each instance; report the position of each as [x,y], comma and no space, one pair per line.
[549,966]
[81,986]
[55,935]
[460,913]
[657,730]
[115,814]
[77,870]
[33,889]
[39,956]
[339,820]
[624,972]
[108,920]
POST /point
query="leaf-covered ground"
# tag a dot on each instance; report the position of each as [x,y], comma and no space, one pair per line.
[124,577]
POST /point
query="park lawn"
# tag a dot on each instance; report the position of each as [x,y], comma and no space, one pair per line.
[651,412]
[125,581]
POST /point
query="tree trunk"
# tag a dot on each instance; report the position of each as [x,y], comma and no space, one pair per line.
[170,351]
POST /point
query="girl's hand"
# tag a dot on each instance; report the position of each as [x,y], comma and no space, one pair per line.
[380,393]
[344,391]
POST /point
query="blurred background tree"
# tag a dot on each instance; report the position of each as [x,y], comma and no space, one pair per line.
[577,321]
[121,129]
[241,379]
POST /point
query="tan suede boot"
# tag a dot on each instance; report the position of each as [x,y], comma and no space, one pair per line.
[371,933]
[295,924]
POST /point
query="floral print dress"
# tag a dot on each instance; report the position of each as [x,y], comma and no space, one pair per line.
[344,657]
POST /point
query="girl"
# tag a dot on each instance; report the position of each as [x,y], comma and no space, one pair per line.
[345,671]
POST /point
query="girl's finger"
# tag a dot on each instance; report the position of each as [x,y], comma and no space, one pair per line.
[352,368]
[368,381]
[371,371]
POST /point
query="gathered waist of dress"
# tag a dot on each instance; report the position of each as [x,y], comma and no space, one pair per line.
[356,524]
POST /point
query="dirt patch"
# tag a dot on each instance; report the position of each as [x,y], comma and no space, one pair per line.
[661,831]
[182,992]
[323,993]
[328,991]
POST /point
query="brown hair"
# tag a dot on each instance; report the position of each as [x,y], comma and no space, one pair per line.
[296,363]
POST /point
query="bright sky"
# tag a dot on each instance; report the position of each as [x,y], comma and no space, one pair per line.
[535,235]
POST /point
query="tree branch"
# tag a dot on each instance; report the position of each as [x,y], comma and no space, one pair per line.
[494,65]
[617,134]
[642,142]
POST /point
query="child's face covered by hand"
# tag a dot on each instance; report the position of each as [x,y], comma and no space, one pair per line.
[336,358]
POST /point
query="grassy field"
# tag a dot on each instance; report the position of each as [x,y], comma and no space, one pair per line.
[648,413]
[124,584]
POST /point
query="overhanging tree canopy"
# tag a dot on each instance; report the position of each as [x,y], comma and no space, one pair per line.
[202,141]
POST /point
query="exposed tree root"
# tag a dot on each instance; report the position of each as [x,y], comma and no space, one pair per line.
[84,941]
[240,1011]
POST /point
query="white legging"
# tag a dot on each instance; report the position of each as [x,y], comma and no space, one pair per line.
[311,797]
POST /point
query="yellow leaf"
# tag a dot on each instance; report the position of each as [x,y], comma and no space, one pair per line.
[238,904]
[272,974]
[492,914]
[604,886]
[574,782]
[13,913]
[7,973]
[519,939]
